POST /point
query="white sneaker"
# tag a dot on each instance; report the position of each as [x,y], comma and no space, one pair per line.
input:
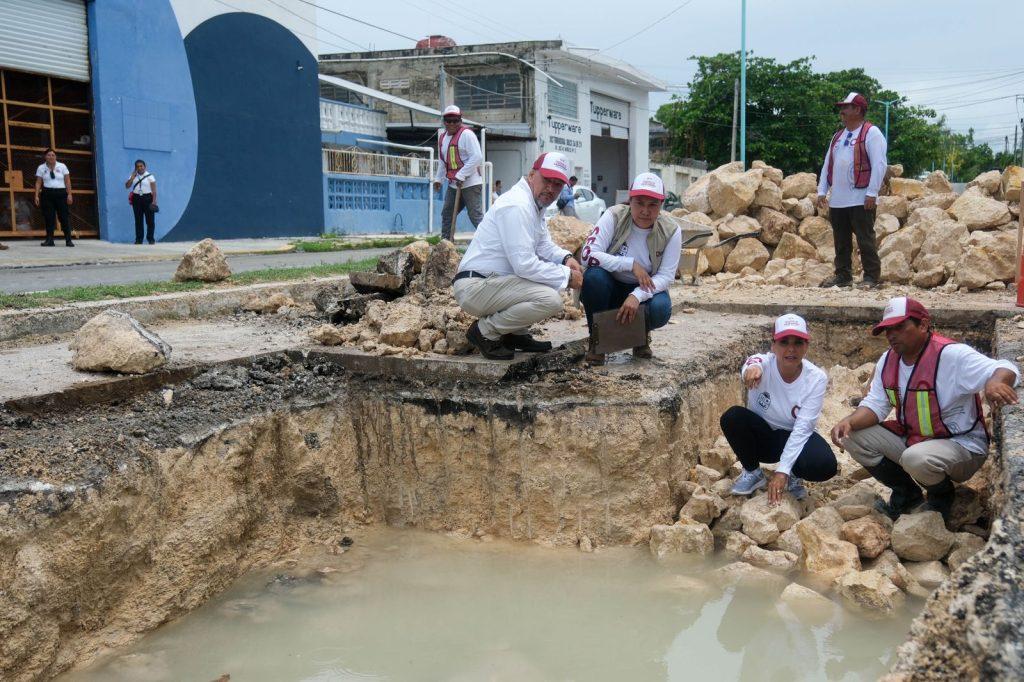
[749,481]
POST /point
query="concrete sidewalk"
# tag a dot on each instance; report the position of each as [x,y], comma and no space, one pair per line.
[27,253]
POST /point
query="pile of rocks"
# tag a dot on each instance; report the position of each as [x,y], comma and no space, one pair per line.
[928,235]
[834,540]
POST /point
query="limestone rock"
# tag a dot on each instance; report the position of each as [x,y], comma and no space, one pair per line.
[703,506]
[204,262]
[398,263]
[921,537]
[929,574]
[456,342]
[789,541]
[987,258]
[804,208]
[889,565]
[871,593]
[825,557]
[441,266]
[807,605]
[704,476]
[733,192]
[885,225]
[742,573]
[736,543]
[907,241]
[427,339]
[329,335]
[927,278]
[863,494]
[799,185]
[116,342]
[685,537]
[782,562]
[763,522]
[419,251]
[1009,183]
[825,519]
[896,170]
[870,536]
[942,201]
[927,216]
[749,252]
[965,545]
[730,226]
[792,246]
[938,182]
[944,239]
[720,457]
[771,174]
[773,225]
[723,488]
[768,195]
[817,231]
[896,268]
[905,187]
[569,232]
[729,521]
[267,304]
[979,212]
[987,183]
[695,196]
[401,325]
[895,206]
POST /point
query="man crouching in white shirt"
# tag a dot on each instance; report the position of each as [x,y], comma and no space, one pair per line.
[512,273]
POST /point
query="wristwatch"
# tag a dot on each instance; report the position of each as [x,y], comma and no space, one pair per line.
[566,259]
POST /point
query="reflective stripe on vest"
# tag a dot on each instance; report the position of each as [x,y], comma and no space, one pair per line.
[920,418]
[452,159]
[861,162]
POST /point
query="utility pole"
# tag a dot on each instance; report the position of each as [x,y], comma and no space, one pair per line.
[743,83]
[441,80]
[887,105]
[1015,127]
[1021,142]
[1006,145]
[735,107]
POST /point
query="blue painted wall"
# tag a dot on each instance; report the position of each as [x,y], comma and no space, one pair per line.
[143,107]
[258,167]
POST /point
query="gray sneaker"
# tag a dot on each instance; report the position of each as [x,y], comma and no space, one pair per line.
[749,481]
[796,488]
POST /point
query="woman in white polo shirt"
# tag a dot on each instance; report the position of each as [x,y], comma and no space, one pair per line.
[784,400]
[142,187]
[53,196]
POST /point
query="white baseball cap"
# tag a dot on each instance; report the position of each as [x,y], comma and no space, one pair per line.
[553,165]
[791,325]
[648,185]
[899,309]
[452,110]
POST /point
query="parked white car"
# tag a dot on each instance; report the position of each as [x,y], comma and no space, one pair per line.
[589,206]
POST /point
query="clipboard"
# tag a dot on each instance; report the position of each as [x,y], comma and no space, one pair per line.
[609,336]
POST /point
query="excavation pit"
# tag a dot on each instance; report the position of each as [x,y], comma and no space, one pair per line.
[119,516]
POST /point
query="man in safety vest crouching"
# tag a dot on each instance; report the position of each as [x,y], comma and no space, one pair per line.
[939,433]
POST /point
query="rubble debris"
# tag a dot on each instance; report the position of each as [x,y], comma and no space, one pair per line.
[204,262]
[258,303]
[114,341]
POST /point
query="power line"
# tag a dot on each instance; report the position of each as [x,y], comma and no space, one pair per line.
[358,21]
[648,26]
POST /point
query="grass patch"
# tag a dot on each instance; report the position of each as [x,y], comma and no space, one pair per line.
[337,243]
[64,295]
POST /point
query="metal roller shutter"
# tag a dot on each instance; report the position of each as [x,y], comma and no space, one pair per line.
[45,36]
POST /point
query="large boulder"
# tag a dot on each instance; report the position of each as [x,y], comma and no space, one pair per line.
[943,239]
[774,224]
[987,183]
[906,187]
[943,200]
[896,268]
[906,241]
[749,252]
[978,212]
[401,325]
[569,232]
[1009,183]
[792,246]
[768,195]
[891,205]
[779,561]
[885,225]
[870,536]
[817,231]
[719,457]
[204,262]
[771,174]
[926,216]
[685,537]
[799,185]
[938,183]
[921,537]
[114,341]
[826,557]
[733,192]
[989,257]
[871,593]
[703,506]
[695,196]
[763,522]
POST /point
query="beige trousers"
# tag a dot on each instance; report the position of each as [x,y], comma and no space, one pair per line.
[506,304]
[928,462]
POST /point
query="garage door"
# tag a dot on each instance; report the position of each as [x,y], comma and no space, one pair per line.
[45,36]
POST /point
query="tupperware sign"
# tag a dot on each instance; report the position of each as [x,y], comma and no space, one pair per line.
[564,136]
[609,111]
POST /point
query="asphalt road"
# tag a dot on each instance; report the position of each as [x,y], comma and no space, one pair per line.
[20,280]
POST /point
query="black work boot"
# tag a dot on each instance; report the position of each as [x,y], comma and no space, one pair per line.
[492,350]
[905,492]
[525,343]
[940,497]
[593,358]
[836,281]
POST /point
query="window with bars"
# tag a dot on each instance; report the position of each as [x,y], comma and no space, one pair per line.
[563,101]
[494,91]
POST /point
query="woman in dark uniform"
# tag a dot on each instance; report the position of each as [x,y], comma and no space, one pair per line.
[143,198]
[53,196]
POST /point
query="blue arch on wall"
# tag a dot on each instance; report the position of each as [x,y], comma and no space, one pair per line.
[258,168]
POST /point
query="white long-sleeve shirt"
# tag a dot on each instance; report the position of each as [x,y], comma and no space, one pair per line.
[633,251]
[793,407]
[471,155]
[512,239]
[962,372]
[844,194]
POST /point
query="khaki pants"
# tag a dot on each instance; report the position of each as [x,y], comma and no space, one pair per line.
[928,462]
[506,304]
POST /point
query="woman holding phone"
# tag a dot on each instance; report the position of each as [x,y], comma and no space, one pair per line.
[142,196]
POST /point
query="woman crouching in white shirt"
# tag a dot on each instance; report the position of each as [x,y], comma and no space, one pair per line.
[784,400]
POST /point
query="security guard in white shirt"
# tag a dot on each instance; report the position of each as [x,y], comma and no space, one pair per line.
[512,273]
[53,196]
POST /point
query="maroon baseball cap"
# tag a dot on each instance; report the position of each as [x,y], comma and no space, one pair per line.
[553,166]
[899,309]
[856,99]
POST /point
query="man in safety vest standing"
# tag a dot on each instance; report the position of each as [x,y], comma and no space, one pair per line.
[939,433]
[854,168]
[461,163]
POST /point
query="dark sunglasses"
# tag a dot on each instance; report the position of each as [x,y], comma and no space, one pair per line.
[452,120]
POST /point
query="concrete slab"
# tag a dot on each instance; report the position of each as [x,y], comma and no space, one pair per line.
[28,253]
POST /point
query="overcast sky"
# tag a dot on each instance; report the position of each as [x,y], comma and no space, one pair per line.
[947,54]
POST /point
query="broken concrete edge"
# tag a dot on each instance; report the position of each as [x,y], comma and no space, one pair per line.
[970,627]
[141,258]
[17,324]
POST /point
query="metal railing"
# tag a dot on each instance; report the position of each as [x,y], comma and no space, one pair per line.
[368,163]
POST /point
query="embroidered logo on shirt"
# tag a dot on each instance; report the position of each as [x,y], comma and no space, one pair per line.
[764,400]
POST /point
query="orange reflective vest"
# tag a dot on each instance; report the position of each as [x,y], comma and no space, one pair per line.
[452,160]
[861,162]
[918,416]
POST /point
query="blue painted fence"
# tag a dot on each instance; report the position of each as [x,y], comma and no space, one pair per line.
[375,204]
